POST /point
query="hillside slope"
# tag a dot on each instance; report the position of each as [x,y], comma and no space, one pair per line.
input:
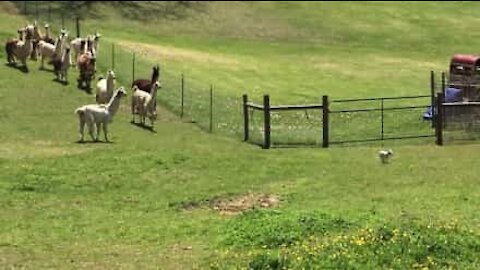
[158,199]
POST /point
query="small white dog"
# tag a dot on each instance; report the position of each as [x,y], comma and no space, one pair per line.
[385,155]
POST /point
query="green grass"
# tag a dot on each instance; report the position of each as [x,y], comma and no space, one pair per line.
[82,206]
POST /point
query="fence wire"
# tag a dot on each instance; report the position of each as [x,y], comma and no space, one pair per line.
[461,122]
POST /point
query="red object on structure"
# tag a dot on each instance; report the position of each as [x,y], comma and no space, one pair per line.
[466,59]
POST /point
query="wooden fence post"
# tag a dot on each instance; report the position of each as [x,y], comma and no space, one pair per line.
[183,95]
[245,118]
[439,124]
[211,108]
[266,119]
[325,121]
[25,7]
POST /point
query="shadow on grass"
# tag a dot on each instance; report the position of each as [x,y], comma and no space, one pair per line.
[23,69]
[59,81]
[46,69]
[94,142]
[143,127]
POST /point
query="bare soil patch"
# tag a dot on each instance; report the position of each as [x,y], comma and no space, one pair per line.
[232,205]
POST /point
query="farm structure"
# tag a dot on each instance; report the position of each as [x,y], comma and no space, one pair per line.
[459,106]
[464,74]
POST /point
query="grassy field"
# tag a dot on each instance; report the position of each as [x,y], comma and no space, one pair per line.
[164,199]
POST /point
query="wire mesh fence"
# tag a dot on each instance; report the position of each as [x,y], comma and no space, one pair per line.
[379,119]
[461,121]
[298,127]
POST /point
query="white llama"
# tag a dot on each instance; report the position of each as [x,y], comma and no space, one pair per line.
[105,88]
[99,115]
[52,52]
[143,103]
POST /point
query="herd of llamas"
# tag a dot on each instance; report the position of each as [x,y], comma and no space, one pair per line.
[32,43]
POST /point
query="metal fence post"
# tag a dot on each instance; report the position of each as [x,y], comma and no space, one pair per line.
[382,116]
[77,20]
[183,95]
[245,118]
[266,119]
[49,13]
[36,10]
[432,93]
[211,108]
[133,67]
[439,125]
[443,83]
[113,56]
[325,121]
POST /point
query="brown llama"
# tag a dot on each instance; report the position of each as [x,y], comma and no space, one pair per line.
[147,85]
[20,49]
[86,65]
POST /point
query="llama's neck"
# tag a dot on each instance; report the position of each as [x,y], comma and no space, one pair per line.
[58,46]
[154,92]
[95,45]
[37,34]
[154,77]
[114,104]
[28,46]
[110,86]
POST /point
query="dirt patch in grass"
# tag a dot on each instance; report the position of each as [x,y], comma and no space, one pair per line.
[236,205]
[232,205]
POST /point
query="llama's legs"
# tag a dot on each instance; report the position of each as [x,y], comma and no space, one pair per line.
[90,131]
[33,55]
[65,75]
[81,127]
[91,125]
[98,129]
[133,111]
[76,59]
[24,61]
[105,133]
